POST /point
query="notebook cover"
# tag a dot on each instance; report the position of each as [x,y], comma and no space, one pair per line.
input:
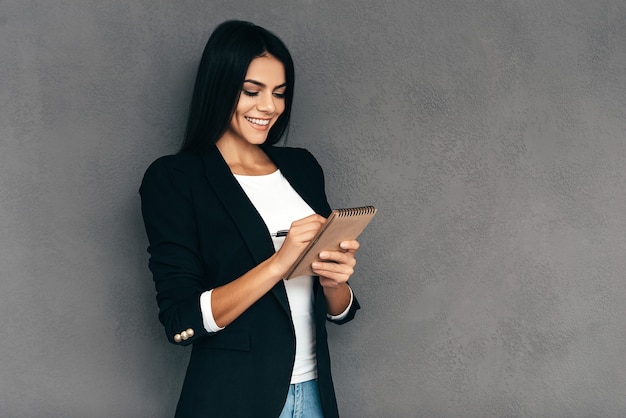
[341,225]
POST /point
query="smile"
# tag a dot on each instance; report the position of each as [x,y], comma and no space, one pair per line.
[260,122]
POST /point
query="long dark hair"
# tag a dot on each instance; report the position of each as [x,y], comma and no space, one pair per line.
[221,73]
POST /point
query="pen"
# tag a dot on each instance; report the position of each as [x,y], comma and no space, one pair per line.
[281,233]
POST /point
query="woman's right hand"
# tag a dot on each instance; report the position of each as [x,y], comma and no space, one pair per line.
[300,234]
[232,299]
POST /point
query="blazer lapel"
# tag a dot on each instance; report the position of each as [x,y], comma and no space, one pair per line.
[246,217]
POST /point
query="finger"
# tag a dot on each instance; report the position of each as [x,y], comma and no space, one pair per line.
[352,245]
[339,257]
[333,270]
[307,229]
[304,232]
[333,279]
[314,218]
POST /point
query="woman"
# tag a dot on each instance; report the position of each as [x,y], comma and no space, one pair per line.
[211,214]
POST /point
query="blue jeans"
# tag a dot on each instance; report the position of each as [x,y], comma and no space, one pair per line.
[303,401]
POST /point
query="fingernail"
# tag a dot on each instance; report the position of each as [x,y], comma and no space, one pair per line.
[323,254]
[316,265]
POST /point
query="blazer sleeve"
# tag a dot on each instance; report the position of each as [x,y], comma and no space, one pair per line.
[175,262]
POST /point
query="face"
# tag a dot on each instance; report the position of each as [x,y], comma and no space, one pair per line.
[261,102]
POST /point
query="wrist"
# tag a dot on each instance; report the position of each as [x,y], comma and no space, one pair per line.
[275,268]
[336,288]
[338,298]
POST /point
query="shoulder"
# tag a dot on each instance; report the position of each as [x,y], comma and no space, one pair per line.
[169,168]
[177,162]
[185,163]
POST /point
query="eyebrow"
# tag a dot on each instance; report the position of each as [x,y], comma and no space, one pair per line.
[258,83]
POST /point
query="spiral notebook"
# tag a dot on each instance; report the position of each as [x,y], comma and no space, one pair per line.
[342,225]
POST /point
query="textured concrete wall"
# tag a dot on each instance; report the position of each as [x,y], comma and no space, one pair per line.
[491,134]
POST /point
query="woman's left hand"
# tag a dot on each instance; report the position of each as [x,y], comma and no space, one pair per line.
[335,267]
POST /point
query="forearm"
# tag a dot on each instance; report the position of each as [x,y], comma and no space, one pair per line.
[229,301]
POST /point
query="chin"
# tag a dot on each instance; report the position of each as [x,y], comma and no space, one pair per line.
[257,141]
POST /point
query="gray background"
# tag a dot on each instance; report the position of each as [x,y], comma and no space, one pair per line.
[490,134]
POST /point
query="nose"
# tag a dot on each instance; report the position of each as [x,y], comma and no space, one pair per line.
[266,103]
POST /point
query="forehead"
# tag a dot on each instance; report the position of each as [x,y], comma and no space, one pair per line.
[267,70]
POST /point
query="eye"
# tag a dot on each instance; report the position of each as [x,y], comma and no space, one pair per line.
[279,95]
[250,93]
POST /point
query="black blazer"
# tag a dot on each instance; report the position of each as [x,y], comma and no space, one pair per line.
[204,232]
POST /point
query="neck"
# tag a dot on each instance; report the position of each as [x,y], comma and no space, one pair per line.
[245,159]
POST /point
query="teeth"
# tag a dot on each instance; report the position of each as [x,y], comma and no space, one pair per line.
[262,122]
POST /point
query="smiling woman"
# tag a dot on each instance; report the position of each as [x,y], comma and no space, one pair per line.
[211,212]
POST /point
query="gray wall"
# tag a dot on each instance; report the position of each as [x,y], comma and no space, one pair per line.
[490,134]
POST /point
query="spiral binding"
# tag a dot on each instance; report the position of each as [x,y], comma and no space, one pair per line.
[362,210]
